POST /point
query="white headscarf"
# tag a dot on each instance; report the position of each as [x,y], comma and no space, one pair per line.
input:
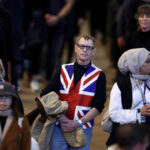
[131,61]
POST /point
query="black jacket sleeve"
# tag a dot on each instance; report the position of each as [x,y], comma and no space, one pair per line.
[53,85]
[100,95]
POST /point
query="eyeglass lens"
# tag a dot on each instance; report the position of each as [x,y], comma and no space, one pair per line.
[81,46]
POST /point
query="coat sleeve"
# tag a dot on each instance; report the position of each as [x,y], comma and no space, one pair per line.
[26,135]
[116,112]
[100,94]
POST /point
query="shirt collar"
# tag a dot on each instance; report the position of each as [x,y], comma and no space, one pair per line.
[85,66]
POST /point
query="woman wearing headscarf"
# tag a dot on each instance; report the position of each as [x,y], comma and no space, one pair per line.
[130,95]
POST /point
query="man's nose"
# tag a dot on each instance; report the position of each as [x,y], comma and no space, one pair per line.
[85,48]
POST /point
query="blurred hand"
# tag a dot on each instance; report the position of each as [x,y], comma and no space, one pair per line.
[63,118]
[67,125]
[121,42]
[22,46]
[51,20]
[32,24]
[80,22]
[145,110]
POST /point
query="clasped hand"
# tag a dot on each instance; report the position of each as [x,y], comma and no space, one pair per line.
[145,110]
[67,125]
[51,20]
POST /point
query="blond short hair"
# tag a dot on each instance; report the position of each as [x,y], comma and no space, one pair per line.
[86,37]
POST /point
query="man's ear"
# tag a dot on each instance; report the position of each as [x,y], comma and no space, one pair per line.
[75,48]
[94,51]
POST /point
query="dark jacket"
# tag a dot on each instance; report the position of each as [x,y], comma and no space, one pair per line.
[15,7]
[138,39]
[6,37]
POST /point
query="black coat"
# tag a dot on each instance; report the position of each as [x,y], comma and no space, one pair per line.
[138,39]
[130,13]
[6,36]
[15,7]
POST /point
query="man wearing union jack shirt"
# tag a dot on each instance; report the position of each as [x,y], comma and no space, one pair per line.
[83,86]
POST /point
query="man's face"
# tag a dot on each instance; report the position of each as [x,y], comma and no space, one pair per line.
[84,50]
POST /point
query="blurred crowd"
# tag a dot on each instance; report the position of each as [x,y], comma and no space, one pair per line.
[33,33]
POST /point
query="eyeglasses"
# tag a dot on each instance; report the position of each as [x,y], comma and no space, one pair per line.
[88,48]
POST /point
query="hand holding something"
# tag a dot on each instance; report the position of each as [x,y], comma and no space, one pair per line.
[80,22]
[68,125]
[51,20]
[121,42]
[145,110]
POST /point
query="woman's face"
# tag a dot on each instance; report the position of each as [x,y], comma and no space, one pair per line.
[5,102]
[145,68]
[144,22]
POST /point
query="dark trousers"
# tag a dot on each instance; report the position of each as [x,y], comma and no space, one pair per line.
[16,72]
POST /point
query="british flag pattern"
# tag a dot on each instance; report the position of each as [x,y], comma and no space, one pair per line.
[79,97]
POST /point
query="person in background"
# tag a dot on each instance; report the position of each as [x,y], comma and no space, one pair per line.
[83,86]
[132,137]
[75,19]
[127,23]
[130,95]
[16,7]
[35,38]
[98,10]
[55,18]
[2,76]
[6,39]
[114,7]
[14,128]
[141,37]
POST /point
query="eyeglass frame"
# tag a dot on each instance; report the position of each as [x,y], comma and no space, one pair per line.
[88,48]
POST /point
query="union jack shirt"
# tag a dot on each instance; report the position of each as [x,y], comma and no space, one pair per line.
[79,97]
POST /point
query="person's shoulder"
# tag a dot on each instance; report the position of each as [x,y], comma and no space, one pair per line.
[67,67]
[97,68]
[102,73]
[68,64]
